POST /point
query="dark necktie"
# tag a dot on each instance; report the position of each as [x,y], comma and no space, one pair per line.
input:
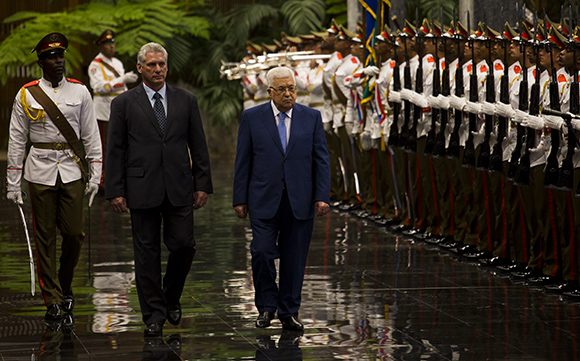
[159,112]
[282,129]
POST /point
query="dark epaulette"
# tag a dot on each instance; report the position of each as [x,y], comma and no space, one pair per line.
[73,80]
[32,83]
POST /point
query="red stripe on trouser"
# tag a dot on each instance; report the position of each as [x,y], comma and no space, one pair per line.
[504,240]
[374,161]
[572,236]
[437,216]
[487,211]
[553,231]
[523,227]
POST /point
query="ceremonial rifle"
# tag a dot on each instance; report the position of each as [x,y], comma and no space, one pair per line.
[566,178]
[454,147]
[485,150]
[469,155]
[417,110]
[394,131]
[523,106]
[444,113]
[523,171]
[496,158]
[551,173]
[432,135]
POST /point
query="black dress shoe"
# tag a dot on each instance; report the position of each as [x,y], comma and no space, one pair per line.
[53,313]
[291,323]
[264,319]
[68,304]
[174,314]
[154,329]
[561,287]
[573,295]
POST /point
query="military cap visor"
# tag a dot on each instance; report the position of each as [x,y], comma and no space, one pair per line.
[50,44]
[107,36]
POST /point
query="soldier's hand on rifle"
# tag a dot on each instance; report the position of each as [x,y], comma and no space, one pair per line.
[576,124]
[488,108]
[419,100]
[395,97]
[370,70]
[15,196]
[457,102]
[129,77]
[433,102]
[519,116]
[534,122]
[443,101]
[406,94]
[553,122]
[91,190]
[472,107]
[504,110]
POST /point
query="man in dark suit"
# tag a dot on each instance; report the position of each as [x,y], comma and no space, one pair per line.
[159,169]
[282,179]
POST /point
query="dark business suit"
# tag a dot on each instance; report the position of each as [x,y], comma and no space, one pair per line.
[280,190]
[152,170]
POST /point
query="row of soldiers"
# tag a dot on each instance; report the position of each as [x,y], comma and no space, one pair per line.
[465,139]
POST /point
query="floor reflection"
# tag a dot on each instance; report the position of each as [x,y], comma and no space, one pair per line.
[367,295]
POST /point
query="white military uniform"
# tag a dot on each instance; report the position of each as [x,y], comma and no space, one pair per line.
[105,84]
[30,121]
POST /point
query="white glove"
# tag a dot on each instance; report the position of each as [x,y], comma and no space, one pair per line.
[576,124]
[520,116]
[433,101]
[553,122]
[91,191]
[472,107]
[129,77]
[443,101]
[348,126]
[419,100]
[488,108]
[457,102]
[534,122]
[406,94]
[370,70]
[15,196]
[395,97]
[504,110]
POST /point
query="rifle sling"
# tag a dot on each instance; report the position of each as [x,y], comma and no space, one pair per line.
[111,69]
[63,126]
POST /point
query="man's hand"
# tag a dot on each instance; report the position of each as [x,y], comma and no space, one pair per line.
[321,208]
[199,199]
[119,204]
[129,77]
[241,210]
[91,191]
[15,196]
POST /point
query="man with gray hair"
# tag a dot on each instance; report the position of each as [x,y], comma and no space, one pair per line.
[282,179]
[159,169]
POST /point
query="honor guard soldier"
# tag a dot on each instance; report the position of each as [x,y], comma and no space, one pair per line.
[56,115]
[107,79]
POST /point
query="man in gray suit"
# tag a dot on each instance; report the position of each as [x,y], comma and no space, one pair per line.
[159,169]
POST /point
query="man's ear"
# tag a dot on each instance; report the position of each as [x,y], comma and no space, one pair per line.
[139,67]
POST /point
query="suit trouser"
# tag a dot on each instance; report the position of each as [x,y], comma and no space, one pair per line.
[156,293]
[288,239]
[59,206]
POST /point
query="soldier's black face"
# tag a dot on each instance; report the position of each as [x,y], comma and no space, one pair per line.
[108,49]
[52,66]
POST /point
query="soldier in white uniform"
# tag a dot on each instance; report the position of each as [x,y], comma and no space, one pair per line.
[107,79]
[56,174]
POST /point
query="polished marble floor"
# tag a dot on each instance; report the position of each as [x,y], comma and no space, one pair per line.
[368,295]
